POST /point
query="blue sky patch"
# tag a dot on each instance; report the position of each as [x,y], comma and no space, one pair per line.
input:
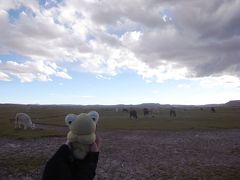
[120,31]
[13,57]
[49,3]
[14,14]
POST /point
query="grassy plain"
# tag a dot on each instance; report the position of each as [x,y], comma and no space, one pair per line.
[194,118]
[187,119]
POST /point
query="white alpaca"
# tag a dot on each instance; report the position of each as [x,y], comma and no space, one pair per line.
[22,119]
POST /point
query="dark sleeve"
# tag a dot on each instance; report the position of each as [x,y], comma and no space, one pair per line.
[86,169]
[58,166]
[93,160]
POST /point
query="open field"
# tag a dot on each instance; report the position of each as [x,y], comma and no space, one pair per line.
[196,144]
[225,117]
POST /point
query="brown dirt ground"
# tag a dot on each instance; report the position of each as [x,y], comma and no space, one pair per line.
[139,155]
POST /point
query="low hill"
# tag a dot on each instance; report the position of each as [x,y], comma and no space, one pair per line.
[235,103]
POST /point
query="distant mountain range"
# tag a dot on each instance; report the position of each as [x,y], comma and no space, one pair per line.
[233,103]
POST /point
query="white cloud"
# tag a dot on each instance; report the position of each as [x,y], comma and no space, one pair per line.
[199,39]
[131,37]
[184,86]
[8,4]
[4,77]
[103,77]
[32,70]
[225,81]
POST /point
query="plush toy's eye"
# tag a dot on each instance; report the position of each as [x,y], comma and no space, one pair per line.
[69,118]
[94,116]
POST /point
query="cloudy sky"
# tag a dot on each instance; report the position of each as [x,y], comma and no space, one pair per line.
[114,52]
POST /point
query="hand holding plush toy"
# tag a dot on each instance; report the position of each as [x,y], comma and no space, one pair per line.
[82,132]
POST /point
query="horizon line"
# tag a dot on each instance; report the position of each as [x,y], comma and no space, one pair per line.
[116,104]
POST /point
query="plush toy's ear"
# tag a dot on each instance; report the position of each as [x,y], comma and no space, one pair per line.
[69,118]
[94,116]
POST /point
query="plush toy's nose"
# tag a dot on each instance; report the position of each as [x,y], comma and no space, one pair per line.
[83,125]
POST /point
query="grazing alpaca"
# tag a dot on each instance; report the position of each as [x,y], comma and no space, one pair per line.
[133,114]
[23,119]
[173,113]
